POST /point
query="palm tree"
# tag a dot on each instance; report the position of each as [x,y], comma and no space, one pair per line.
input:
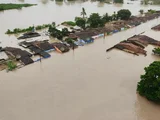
[83,13]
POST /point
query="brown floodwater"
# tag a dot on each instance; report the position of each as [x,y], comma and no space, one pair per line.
[85,84]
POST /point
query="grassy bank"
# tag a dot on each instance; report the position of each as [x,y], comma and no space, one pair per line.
[14,6]
[18,30]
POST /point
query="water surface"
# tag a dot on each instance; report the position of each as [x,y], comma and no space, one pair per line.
[85,84]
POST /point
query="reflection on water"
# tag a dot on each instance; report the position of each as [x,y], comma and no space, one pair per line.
[88,84]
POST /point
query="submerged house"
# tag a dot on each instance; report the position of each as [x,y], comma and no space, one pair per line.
[21,55]
[26,60]
[87,40]
[45,46]
[44,54]
[29,35]
[25,44]
[143,39]
[79,42]
[60,47]
[35,50]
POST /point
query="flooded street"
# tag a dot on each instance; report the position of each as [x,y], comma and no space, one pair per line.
[85,84]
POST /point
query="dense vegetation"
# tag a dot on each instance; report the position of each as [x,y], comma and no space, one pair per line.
[18,30]
[81,22]
[149,86]
[57,33]
[156,51]
[71,23]
[124,14]
[13,6]
[11,65]
[95,20]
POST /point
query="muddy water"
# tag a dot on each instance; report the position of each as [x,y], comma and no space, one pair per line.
[85,84]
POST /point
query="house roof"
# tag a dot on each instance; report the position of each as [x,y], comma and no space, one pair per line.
[26,60]
[3,56]
[17,52]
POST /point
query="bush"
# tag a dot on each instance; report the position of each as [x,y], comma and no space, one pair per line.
[13,6]
[124,14]
[11,65]
[151,11]
[18,30]
[149,86]
[81,22]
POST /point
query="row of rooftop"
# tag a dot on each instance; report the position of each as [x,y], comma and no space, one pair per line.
[80,37]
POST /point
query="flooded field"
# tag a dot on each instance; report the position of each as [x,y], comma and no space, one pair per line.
[85,84]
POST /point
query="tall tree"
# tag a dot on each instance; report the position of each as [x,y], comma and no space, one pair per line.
[149,86]
[106,18]
[83,13]
[95,20]
[124,14]
[81,22]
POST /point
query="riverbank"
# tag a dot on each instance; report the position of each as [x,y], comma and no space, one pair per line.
[14,6]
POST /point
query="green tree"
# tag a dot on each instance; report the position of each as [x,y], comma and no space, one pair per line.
[55,33]
[141,11]
[149,86]
[81,22]
[118,1]
[124,14]
[114,16]
[106,18]
[95,20]
[65,32]
[83,13]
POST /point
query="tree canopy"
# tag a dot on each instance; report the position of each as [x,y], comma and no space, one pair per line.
[149,86]
[81,22]
[95,20]
[106,18]
[124,14]
[57,33]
